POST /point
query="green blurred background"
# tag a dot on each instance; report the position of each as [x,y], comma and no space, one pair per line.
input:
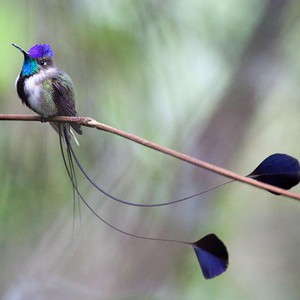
[218,80]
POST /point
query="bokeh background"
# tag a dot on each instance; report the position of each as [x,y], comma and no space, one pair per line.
[218,80]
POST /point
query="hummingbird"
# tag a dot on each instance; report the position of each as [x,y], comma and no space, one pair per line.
[45,89]
[48,91]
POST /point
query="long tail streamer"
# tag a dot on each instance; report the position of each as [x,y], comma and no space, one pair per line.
[210,251]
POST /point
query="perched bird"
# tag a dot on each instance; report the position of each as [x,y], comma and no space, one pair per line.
[49,91]
[45,89]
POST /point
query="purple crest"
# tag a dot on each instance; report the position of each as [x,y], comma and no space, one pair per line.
[40,50]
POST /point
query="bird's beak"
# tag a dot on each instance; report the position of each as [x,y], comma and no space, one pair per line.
[23,51]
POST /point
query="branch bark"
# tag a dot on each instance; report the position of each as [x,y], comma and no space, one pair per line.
[89,122]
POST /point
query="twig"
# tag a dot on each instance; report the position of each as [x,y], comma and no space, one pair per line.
[88,122]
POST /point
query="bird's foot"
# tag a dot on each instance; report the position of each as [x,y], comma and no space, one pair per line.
[44,119]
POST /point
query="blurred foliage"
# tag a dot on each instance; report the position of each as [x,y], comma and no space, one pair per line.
[215,79]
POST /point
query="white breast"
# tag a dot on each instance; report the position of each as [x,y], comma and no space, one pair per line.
[33,88]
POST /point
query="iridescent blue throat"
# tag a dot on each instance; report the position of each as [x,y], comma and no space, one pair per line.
[30,66]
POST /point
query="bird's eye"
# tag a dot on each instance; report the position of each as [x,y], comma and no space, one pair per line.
[43,63]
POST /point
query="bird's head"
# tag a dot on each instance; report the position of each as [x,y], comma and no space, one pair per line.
[39,57]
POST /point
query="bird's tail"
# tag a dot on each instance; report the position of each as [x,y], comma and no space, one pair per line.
[210,251]
[65,132]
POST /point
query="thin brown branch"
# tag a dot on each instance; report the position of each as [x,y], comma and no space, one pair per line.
[88,122]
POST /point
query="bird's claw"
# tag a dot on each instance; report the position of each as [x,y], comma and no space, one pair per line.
[44,119]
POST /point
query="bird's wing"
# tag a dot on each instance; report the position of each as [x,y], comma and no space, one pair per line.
[63,97]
